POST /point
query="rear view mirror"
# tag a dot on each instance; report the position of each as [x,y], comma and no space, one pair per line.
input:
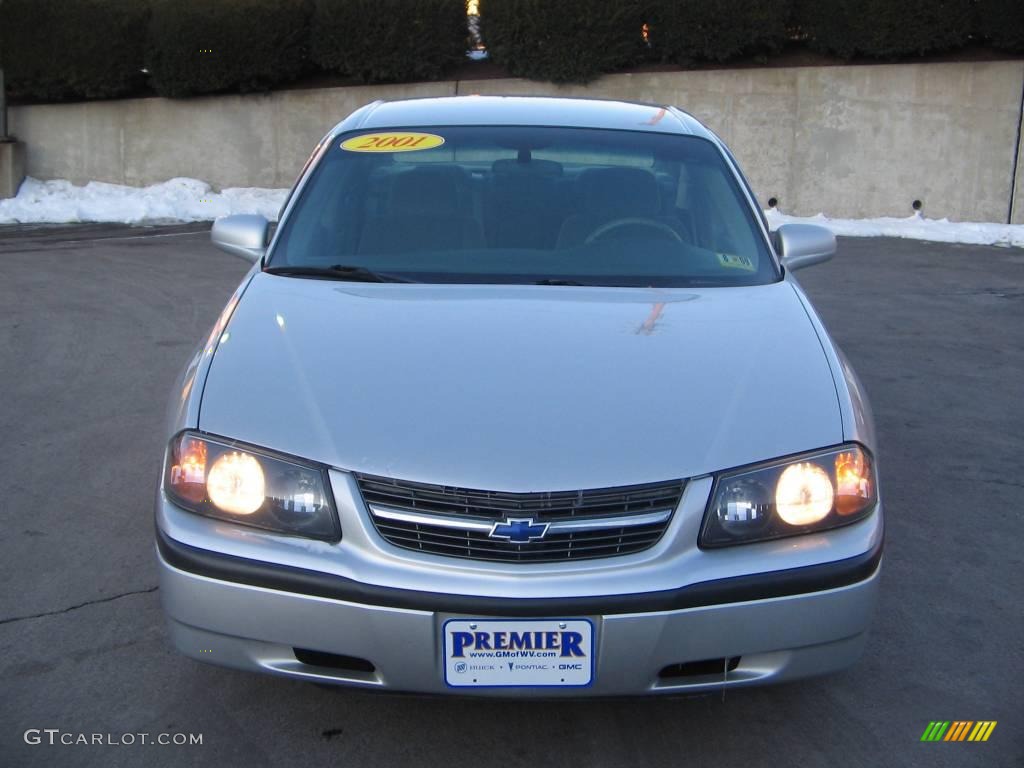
[801,245]
[243,235]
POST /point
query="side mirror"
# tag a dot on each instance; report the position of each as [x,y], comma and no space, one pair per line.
[801,245]
[243,235]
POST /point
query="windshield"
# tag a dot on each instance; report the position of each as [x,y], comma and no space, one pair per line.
[525,205]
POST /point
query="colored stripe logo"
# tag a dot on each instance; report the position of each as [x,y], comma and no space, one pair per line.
[958,730]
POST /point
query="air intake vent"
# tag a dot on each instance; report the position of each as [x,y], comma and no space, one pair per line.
[332,661]
[705,668]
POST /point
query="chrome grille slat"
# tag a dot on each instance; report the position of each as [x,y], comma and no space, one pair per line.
[515,501]
[497,505]
[525,552]
[623,534]
[402,512]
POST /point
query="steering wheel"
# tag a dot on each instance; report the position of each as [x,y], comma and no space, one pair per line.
[607,227]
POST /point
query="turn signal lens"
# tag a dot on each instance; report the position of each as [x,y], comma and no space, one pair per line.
[236,483]
[188,473]
[801,494]
[854,483]
[804,494]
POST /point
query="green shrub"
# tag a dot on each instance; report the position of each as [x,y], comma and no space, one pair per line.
[53,50]
[683,31]
[205,46]
[884,29]
[571,41]
[1001,24]
[389,40]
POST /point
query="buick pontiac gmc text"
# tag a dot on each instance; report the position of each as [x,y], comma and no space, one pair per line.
[521,398]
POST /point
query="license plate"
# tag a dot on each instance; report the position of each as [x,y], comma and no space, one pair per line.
[490,653]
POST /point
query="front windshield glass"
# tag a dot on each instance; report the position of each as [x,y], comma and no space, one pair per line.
[526,205]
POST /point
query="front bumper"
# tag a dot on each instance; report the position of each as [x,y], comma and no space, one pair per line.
[259,628]
[788,608]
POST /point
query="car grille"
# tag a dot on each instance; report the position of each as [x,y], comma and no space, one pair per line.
[456,522]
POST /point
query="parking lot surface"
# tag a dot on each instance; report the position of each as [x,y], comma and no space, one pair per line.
[96,321]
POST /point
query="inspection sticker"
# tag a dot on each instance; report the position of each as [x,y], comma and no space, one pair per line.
[393,141]
[732,261]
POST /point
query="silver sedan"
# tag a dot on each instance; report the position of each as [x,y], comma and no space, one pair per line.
[521,397]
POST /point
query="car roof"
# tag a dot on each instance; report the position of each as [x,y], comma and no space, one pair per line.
[524,110]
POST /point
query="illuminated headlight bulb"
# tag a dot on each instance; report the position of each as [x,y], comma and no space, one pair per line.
[804,494]
[235,483]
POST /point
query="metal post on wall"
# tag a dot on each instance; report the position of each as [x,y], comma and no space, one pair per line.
[3,100]
[3,107]
[1014,192]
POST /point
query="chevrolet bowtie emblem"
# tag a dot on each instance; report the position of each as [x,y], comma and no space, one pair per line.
[519,530]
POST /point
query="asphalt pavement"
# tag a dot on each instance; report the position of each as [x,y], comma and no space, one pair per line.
[95,323]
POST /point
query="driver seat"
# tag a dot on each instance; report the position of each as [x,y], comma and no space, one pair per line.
[608,194]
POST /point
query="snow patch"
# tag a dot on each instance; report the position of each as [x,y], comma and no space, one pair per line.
[915,227]
[60,202]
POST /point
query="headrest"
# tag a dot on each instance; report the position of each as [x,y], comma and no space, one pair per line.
[429,190]
[620,191]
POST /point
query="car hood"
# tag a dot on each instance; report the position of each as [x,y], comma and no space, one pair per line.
[521,388]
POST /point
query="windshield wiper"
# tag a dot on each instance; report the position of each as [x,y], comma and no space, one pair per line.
[555,281]
[338,272]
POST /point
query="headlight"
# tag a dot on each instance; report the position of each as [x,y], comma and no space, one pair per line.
[800,494]
[229,481]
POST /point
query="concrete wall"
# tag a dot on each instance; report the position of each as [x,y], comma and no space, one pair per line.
[228,141]
[847,141]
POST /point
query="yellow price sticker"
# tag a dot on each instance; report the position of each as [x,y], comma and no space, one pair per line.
[731,261]
[401,141]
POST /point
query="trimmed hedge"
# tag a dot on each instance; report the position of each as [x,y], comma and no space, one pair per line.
[684,31]
[571,41]
[53,50]
[884,29]
[389,40]
[1001,24]
[205,46]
